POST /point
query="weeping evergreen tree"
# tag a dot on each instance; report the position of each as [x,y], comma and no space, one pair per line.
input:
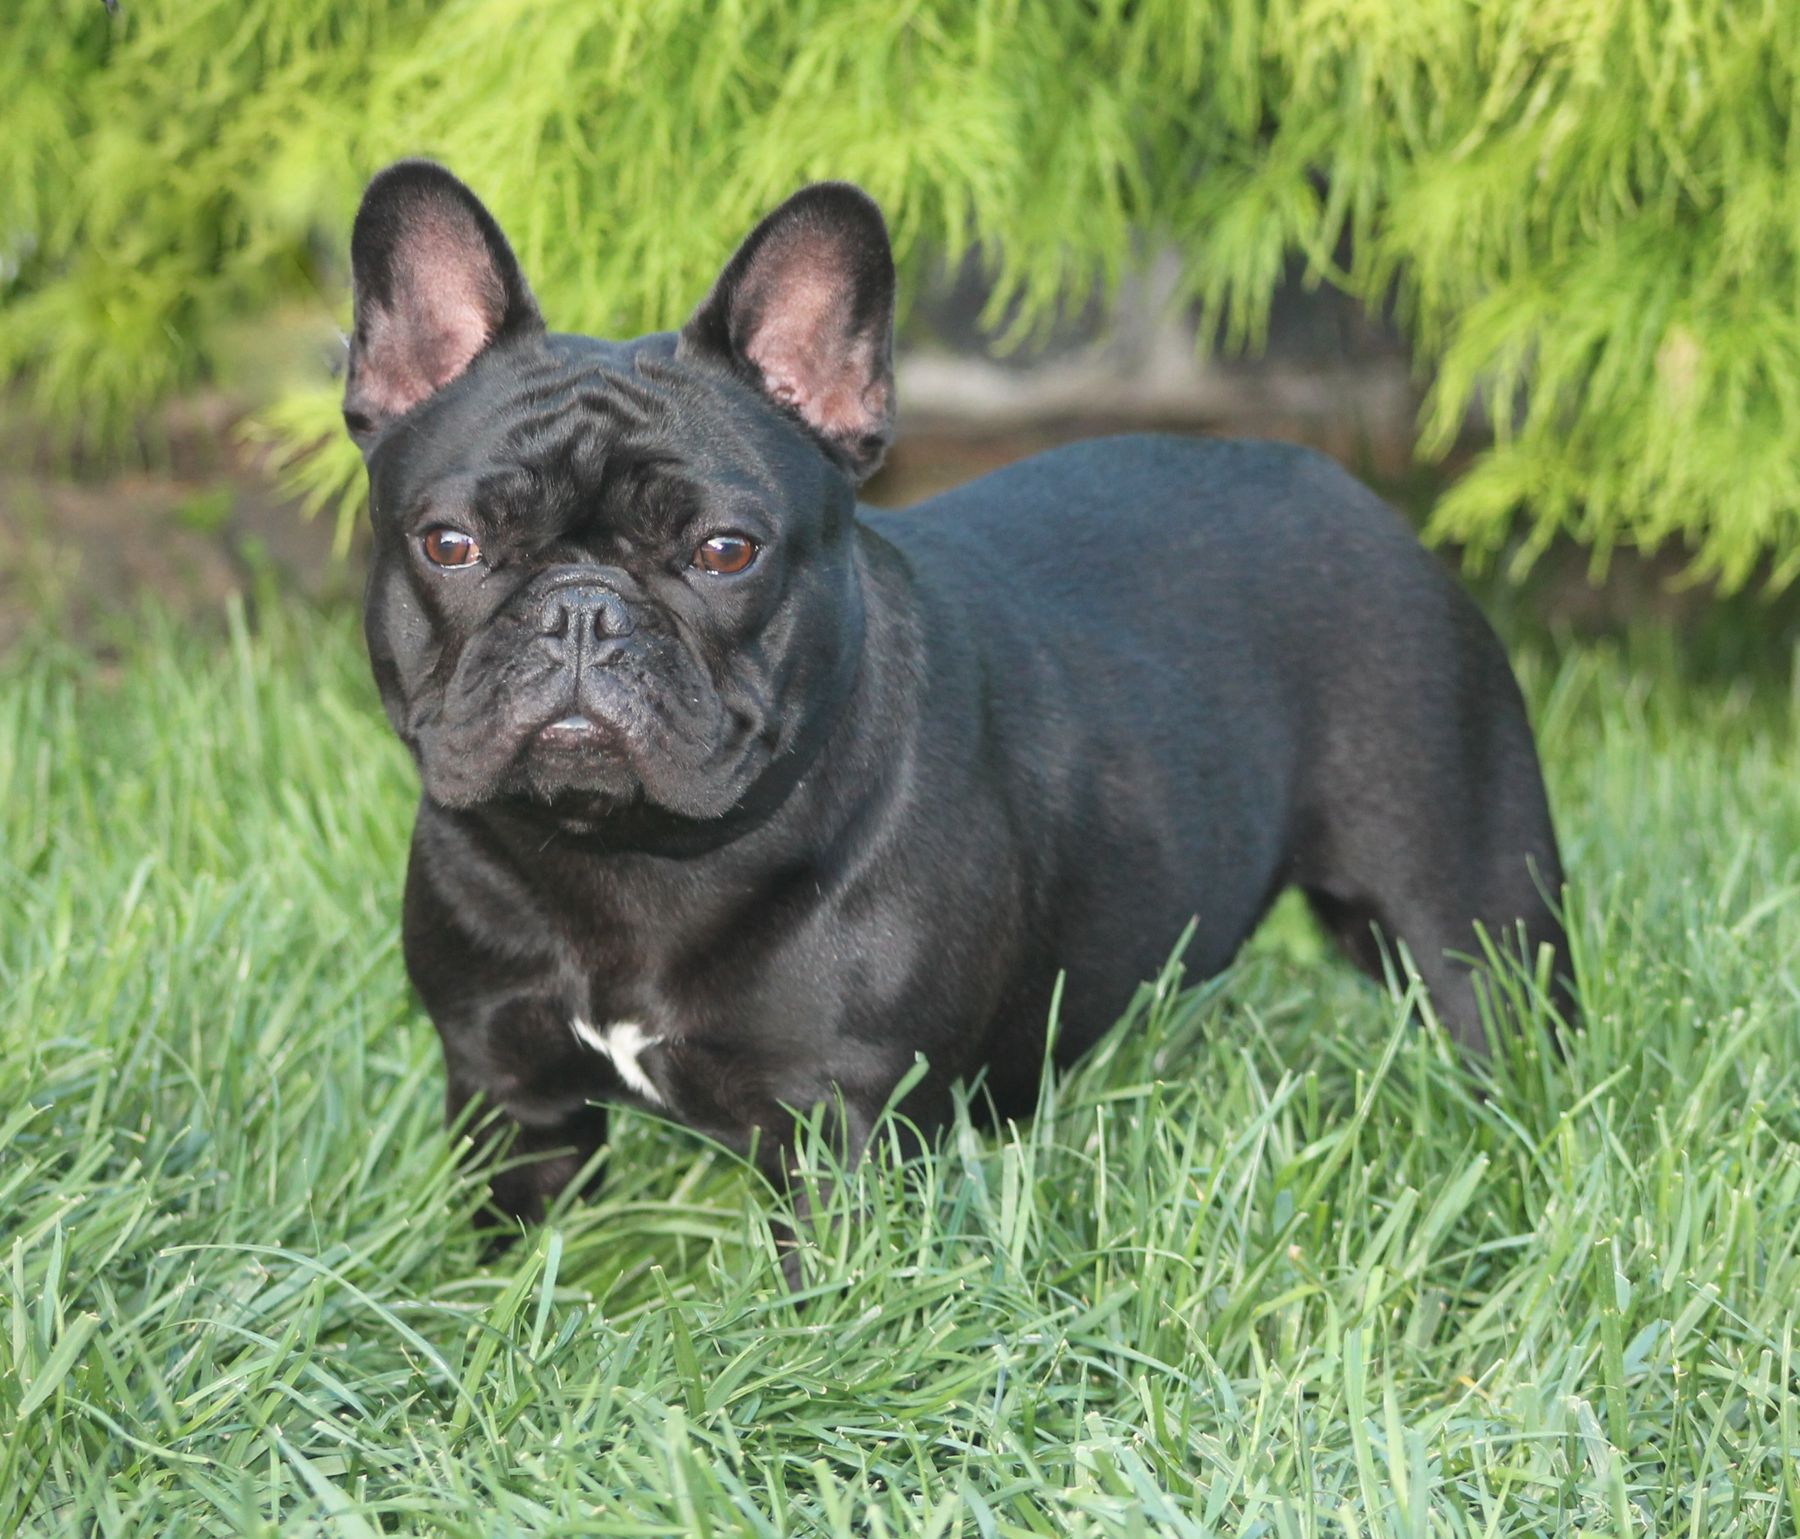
[1586,213]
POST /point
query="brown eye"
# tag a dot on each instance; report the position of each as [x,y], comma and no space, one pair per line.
[725,555]
[445,546]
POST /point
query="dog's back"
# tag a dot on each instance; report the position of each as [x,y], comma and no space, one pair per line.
[1262,680]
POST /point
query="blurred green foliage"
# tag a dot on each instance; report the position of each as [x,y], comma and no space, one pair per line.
[1586,213]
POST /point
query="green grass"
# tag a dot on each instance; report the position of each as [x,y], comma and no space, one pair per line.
[1269,1264]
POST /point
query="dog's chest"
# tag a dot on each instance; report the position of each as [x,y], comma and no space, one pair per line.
[725,1080]
[625,1045]
[622,1008]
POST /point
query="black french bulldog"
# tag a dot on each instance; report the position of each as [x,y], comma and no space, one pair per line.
[738,795]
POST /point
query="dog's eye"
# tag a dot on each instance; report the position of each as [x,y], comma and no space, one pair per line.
[725,555]
[445,546]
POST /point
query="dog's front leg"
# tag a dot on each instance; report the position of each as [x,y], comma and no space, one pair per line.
[537,1161]
[846,1129]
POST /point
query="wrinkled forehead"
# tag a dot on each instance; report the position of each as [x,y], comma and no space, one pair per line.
[572,429]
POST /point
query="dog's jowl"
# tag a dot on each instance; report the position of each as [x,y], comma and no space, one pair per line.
[738,796]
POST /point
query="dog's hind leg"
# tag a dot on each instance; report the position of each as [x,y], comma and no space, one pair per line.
[1431,826]
[1440,936]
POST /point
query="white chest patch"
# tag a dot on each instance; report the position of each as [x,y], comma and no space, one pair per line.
[622,1042]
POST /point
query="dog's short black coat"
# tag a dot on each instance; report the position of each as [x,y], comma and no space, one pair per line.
[734,840]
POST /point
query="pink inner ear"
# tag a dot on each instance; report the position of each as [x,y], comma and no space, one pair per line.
[802,342]
[446,304]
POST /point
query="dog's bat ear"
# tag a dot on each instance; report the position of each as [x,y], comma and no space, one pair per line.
[435,285]
[805,312]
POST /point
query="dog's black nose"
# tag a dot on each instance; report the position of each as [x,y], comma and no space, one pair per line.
[584,610]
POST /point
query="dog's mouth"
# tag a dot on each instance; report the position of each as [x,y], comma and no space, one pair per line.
[575,731]
[577,739]
[580,753]
[616,735]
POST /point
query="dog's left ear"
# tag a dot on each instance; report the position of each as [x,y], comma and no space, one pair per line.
[805,312]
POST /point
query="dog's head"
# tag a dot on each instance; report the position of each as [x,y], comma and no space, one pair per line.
[613,574]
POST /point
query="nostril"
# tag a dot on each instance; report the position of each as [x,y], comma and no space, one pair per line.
[611,617]
[580,612]
[553,616]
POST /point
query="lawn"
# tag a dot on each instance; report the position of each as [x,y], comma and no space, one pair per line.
[1270,1263]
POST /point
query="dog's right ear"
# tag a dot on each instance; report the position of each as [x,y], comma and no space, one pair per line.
[436,285]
